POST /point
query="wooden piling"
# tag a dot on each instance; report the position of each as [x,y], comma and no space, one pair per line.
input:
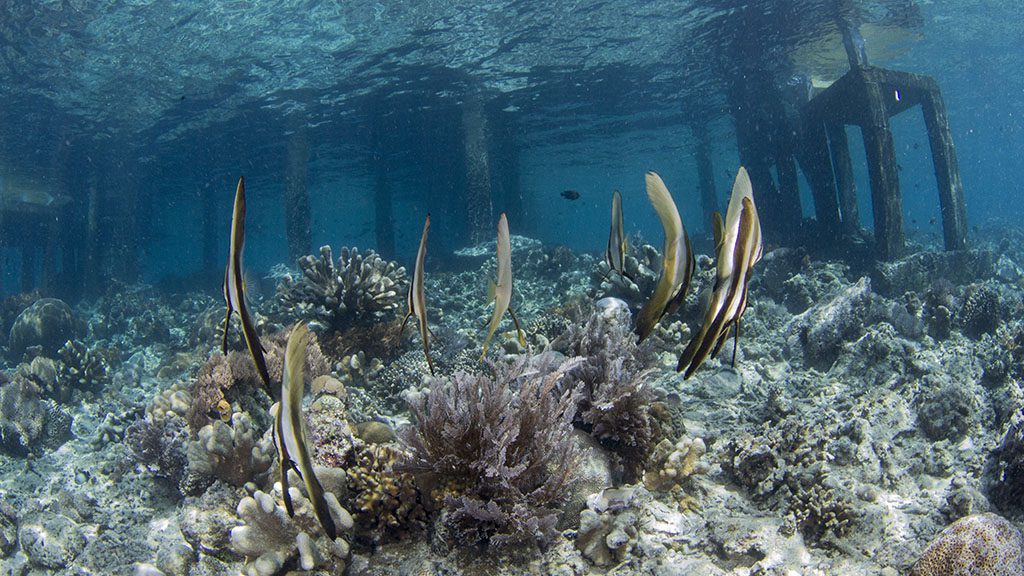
[886,200]
[91,274]
[842,168]
[383,213]
[479,206]
[208,239]
[296,197]
[705,173]
[815,160]
[947,170]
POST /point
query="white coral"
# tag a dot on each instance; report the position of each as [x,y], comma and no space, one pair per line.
[269,538]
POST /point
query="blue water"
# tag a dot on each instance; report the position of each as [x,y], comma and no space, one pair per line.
[168,103]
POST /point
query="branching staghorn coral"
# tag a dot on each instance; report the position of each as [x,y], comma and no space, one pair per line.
[497,451]
[360,288]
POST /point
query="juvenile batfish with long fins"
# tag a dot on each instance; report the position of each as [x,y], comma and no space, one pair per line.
[677,261]
[417,300]
[615,254]
[234,290]
[739,248]
[502,288]
[290,432]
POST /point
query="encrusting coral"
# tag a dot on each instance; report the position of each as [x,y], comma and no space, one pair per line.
[386,501]
[359,288]
[979,545]
[497,451]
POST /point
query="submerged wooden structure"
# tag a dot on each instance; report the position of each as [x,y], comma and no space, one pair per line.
[868,97]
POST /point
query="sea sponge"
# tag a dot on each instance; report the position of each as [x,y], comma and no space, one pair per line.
[979,545]
[360,288]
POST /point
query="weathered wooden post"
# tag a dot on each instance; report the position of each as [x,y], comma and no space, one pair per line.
[818,169]
[947,170]
[886,199]
[296,196]
[208,239]
[383,215]
[479,206]
[843,170]
[91,273]
[705,173]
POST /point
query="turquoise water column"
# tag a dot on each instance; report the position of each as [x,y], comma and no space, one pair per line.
[479,207]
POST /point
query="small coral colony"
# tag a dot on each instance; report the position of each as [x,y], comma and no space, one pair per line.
[737,246]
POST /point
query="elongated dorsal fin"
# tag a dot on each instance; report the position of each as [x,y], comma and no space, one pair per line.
[717,227]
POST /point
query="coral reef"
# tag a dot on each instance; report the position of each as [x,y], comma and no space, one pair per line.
[51,540]
[947,412]
[673,463]
[159,445]
[386,501]
[608,526]
[80,369]
[269,538]
[1006,468]
[231,452]
[29,423]
[497,452]
[234,378]
[642,264]
[617,405]
[47,324]
[979,545]
[818,512]
[980,312]
[359,288]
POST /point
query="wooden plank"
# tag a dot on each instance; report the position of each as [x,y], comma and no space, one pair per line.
[947,171]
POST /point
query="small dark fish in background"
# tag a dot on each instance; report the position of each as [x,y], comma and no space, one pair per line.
[570,195]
